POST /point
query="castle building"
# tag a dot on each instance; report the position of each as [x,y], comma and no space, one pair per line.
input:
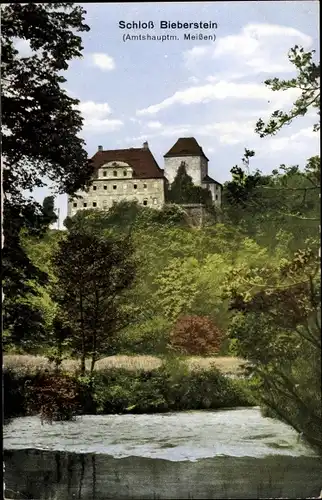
[134,175]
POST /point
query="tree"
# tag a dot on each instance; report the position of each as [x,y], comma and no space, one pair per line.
[277,320]
[48,209]
[307,82]
[195,335]
[264,205]
[277,327]
[291,196]
[183,190]
[91,274]
[40,126]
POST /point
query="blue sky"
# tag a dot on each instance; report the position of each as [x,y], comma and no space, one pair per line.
[159,91]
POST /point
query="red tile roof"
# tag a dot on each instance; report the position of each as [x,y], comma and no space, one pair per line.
[185,146]
[140,159]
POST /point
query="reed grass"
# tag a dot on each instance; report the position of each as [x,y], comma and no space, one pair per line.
[26,364]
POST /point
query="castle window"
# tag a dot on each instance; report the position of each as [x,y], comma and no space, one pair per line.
[74,205]
[145,186]
[145,202]
[216,187]
[104,173]
[124,173]
[135,186]
[105,187]
[216,196]
[104,204]
[84,204]
[94,204]
[94,188]
[114,187]
[115,173]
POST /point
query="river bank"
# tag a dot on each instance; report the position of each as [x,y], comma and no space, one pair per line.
[172,386]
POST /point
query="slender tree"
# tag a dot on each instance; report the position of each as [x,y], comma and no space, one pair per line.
[92,272]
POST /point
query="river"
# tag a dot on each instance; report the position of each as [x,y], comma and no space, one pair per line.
[195,454]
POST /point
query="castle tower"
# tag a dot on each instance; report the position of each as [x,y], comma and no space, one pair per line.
[187,150]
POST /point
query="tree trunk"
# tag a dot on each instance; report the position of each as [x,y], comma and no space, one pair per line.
[93,361]
[83,354]
[94,341]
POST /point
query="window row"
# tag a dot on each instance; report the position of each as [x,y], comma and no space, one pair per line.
[115,173]
[94,203]
[135,186]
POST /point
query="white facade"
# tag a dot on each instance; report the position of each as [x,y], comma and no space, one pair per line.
[114,183]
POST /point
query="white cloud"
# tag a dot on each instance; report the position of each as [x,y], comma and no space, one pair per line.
[225,76]
[258,48]
[155,125]
[135,120]
[219,91]
[96,116]
[103,61]
[299,141]
[193,79]
[91,109]
[231,132]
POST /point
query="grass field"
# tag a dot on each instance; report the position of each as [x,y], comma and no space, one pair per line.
[25,363]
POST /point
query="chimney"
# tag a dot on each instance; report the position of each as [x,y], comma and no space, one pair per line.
[100,148]
[145,145]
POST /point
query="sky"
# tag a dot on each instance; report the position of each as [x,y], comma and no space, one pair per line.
[136,90]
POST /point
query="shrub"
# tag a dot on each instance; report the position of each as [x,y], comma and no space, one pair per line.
[195,335]
[53,396]
[146,386]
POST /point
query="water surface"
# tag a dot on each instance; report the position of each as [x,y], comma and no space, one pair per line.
[197,454]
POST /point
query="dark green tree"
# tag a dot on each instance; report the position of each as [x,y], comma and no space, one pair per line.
[48,211]
[92,272]
[183,191]
[40,125]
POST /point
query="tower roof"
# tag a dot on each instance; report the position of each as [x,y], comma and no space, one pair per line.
[185,146]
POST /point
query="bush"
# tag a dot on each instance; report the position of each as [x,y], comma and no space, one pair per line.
[172,387]
[53,396]
[195,335]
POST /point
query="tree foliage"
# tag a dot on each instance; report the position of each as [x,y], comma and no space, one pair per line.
[40,123]
[307,82]
[183,191]
[195,335]
[277,307]
[91,274]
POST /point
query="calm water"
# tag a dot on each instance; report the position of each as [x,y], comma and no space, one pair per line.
[198,454]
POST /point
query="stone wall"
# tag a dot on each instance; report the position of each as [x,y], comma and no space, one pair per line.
[197,215]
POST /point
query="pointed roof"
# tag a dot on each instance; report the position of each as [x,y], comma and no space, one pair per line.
[209,180]
[185,146]
[140,159]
